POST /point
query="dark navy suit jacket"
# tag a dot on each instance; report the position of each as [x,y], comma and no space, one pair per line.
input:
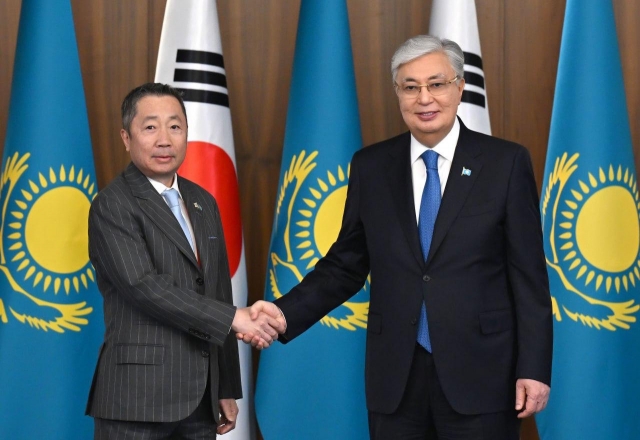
[484,282]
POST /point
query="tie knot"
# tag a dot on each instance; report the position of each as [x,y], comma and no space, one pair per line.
[430,159]
[172,197]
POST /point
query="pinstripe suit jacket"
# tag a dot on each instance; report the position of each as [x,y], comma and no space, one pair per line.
[167,317]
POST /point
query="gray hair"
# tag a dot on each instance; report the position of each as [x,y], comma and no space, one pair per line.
[423,45]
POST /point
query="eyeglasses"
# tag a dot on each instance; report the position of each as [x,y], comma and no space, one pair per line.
[411,90]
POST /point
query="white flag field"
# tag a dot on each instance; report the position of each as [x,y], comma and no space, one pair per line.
[456,20]
[190,59]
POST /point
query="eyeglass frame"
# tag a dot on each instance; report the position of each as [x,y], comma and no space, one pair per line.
[398,87]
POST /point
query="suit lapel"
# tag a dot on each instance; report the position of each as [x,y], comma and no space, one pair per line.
[458,186]
[400,183]
[196,215]
[157,210]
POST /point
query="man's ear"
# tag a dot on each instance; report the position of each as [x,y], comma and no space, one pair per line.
[461,84]
[125,138]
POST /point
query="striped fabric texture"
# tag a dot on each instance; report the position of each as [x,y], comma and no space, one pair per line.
[167,316]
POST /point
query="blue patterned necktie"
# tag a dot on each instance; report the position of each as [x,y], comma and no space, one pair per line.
[429,206]
[173,199]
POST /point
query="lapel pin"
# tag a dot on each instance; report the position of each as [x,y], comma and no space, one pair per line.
[197,206]
[465,172]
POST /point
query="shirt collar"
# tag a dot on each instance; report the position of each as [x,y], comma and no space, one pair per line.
[161,187]
[445,148]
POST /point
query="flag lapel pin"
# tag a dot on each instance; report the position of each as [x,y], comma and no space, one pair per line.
[465,172]
[197,206]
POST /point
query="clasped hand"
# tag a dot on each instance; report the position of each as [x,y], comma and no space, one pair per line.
[259,325]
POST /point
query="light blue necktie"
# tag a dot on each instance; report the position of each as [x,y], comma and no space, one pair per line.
[429,206]
[173,199]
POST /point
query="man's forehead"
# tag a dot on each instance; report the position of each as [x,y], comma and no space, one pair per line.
[152,116]
[151,107]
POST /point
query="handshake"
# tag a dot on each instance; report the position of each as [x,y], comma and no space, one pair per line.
[259,325]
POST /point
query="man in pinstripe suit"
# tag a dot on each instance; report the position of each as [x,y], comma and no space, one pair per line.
[168,367]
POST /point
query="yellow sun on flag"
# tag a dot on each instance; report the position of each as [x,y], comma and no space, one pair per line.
[322,216]
[600,230]
[48,232]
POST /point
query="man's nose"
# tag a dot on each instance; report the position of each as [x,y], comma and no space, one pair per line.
[424,96]
[164,140]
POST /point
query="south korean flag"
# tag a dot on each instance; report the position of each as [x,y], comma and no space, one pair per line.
[190,59]
[456,20]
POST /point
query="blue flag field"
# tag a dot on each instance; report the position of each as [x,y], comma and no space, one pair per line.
[590,209]
[50,308]
[317,380]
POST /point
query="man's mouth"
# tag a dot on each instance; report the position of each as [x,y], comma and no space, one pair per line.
[426,116]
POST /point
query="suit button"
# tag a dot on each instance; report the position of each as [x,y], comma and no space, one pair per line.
[426,278]
[199,281]
[414,321]
[205,354]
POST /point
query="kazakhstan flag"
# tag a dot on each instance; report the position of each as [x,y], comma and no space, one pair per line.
[590,208]
[317,380]
[50,308]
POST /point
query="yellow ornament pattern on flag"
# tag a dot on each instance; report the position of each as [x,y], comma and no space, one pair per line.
[594,241]
[313,213]
[44,243]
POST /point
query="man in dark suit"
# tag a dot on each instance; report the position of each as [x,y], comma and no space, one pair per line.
[168,367]
[446,220]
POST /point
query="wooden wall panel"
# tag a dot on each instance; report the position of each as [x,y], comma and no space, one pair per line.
[531,49]
[114,47]
[491,27]
[258,41]
[627,16]
[118,45]
[377,29]
[9,18]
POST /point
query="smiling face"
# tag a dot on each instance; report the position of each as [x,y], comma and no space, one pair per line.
[157,138]
[429,118]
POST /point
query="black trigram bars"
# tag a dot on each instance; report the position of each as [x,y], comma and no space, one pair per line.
[201,77]
[475,79]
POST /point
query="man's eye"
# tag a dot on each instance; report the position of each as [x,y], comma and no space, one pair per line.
[409,88]
[149,127]
[436,85]
[175,127]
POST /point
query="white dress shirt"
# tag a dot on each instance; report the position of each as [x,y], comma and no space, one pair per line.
[445,149]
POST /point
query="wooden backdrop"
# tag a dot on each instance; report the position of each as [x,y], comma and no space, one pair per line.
[118,43]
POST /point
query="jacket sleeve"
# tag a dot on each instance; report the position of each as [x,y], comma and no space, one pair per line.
[527,273]
[337,276]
